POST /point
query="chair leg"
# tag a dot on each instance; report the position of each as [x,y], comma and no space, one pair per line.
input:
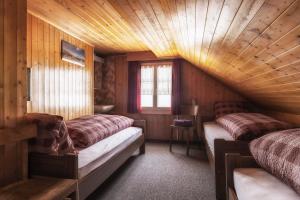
[188,142]
[171,139]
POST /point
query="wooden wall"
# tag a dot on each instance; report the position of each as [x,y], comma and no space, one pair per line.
[12,83]
[195,85]
[57,87]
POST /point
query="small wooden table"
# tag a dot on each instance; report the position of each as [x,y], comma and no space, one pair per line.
[41,188]
[183,129]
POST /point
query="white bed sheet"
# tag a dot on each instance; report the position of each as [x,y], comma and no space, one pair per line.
[95,155]
[213,131]
[256,183]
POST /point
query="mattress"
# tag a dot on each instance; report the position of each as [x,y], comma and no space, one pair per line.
[256,183]
[97,154]
[213,131]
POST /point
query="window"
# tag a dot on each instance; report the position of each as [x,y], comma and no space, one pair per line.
[156,86]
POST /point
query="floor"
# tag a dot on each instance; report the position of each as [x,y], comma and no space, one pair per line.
[161,175]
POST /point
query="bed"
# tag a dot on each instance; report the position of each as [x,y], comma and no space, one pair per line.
[91,166]
[246,180]
[234,126]
[218,142]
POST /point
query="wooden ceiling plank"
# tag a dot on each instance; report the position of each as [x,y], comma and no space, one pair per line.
[190,7]
[201,15]
[245,14]
[279,75]
[118,28]
[285,59]
[170,8]
[82,11]
[271,34]
[125,11]
[269,11]
[145,21]
[108,12]
[162,20]
[159,27]
[286,42]
[276,87]
[72,27]
[227,16]
[165,9]
[181,17]
[213,14]
[291,40]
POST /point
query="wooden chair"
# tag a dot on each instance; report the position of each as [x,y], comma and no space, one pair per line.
[185,123]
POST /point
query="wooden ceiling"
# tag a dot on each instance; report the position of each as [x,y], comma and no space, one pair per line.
[252,45]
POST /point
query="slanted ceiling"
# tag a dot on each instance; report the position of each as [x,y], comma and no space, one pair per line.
[252,45]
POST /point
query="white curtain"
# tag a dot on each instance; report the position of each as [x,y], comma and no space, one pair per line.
[164,80]
[147,79]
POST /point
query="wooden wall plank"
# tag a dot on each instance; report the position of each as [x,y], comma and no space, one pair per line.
[2,63]
[12,86]
[54,82]
[2,148]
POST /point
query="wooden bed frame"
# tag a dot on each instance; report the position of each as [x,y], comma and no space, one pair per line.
[222,147]
[232,161]
[66,166]
[217,162]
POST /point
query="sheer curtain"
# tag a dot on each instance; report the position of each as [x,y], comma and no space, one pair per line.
[147,86]
[164,85]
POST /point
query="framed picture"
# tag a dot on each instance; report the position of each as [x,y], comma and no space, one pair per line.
[71,53]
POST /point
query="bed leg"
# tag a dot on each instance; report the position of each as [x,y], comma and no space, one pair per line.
[142,149]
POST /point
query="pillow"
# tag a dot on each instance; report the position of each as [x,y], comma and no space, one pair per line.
[65,143]
[248,126]
[52,136]
[279,154]
[227,107]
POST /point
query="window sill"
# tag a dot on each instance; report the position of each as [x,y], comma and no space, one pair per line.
[156,111]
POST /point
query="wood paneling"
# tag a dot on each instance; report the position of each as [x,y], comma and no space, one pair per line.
[58,87]
[252,45]
[288,117]
[196,84]
[95,22]
[12,85]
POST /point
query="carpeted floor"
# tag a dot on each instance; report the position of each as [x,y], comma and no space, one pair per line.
[161,175]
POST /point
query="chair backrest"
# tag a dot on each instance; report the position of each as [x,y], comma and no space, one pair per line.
[189,110]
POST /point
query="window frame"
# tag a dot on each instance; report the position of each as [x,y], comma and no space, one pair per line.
[154,109]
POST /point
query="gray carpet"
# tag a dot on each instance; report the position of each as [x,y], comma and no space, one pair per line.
[160,175]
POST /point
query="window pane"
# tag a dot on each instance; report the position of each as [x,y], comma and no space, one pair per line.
[164,85]
[164,101]
[147,100]
[147,86]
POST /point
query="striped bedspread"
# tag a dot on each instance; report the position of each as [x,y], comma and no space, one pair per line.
[247,126]
[88,130]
